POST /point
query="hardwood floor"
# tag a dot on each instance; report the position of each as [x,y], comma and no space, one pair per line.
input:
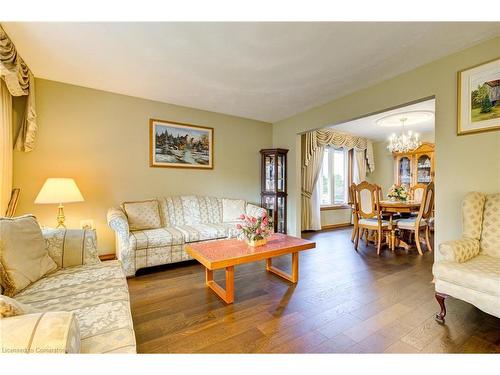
[345,302]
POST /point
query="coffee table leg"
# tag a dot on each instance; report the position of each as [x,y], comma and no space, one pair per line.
[227,295]
[294,277]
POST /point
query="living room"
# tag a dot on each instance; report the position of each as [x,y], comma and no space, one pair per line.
[149,169]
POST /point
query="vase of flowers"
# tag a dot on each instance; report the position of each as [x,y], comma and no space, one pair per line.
[398,193]
[255,230]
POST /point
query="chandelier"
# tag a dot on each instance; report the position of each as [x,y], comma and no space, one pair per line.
[405,142]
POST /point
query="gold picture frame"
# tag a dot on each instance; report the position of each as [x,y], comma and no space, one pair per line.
[179,145]
[478,98]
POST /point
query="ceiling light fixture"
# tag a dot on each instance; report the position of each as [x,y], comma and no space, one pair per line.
[404,142]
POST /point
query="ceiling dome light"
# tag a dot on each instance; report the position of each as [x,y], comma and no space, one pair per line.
[412,118]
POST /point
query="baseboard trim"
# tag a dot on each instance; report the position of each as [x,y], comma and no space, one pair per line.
[334,226]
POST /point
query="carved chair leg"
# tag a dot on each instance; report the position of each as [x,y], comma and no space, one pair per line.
[356,238]
[440,297]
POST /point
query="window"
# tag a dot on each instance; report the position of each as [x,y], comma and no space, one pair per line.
[334,177]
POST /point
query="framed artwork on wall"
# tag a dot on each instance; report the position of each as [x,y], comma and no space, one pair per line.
[478,99]
[177,145]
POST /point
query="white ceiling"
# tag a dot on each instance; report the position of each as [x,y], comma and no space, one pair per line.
[264,71]
[368,127]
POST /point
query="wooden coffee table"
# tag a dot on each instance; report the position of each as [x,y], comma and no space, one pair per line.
[231,252]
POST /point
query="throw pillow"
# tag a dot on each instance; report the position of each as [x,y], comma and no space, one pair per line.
[71,247]
[142,215]
[23,256]
[232,209]
[10,307]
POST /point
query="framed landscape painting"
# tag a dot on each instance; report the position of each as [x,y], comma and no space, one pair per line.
[479,98]
[178,145]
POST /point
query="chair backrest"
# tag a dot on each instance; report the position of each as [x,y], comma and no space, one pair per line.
[367,200]
[417,192]
[490,234]
[353,202]
[427,203]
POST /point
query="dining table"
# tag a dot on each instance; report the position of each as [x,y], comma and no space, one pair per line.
[393,207]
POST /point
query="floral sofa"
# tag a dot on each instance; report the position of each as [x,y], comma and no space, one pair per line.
[469,268]
[92,294]
[154,232]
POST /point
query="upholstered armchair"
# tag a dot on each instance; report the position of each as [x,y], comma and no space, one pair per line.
[469,268]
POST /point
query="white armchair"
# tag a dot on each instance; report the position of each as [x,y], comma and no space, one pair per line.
[469,268]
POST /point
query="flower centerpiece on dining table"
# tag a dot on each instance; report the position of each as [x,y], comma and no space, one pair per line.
[398,193]
[255,230]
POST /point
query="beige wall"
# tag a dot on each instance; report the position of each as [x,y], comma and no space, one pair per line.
[101,140]
[458,159]
[384,163]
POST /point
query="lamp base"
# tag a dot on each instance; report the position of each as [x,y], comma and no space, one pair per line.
[60,217]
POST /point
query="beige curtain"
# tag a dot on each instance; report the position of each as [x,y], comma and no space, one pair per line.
[19,81]
[329,137]
[5,147]
[313,145]
[359,167]
[311,166]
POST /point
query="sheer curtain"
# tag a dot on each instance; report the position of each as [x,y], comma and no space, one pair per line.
[5,147]
[359,167]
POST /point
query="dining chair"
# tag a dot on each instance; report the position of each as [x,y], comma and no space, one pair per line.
[417,192]
[352,201]
[417,223]
[367,203]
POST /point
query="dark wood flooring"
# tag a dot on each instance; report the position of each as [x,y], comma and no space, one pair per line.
[345,302]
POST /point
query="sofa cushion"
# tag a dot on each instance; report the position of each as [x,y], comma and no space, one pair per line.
[173,211]
[98,295]
[490,235]
[40,333]
[472,215]
[143,239]
[142,215]
[23,256]
[201,232]
[71,247]
[191,209]
[481,273]
[210,209]
[232,209]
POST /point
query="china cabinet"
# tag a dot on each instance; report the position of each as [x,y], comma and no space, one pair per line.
[273,186]
[416,167]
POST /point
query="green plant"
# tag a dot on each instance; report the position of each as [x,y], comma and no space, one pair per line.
[486,105]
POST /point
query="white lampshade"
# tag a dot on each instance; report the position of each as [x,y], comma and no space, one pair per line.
[59,190]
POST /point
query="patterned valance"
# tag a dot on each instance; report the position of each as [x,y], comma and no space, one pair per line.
[329,137]
[20,81]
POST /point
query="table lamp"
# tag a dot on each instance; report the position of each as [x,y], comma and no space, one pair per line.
[59,190]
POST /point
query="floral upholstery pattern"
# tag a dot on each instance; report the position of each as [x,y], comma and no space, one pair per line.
[482,273]
[490,235]
[255,211]
[142,215]
[97,295]
[41,333]
[472,215]
[65,246]
[185,219]
[469,268]
[459,250]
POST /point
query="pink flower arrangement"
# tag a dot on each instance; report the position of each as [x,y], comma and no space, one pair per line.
[255,228]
